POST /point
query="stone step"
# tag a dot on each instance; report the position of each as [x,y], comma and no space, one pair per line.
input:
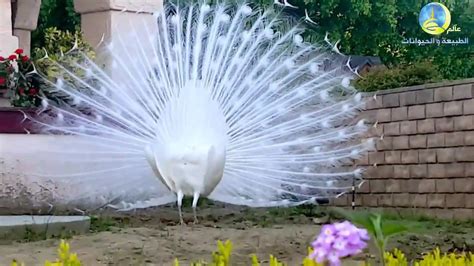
[21,226]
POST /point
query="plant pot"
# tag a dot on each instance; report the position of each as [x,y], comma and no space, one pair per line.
[12,120]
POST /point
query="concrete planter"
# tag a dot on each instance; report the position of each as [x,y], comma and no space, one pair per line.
[12,120]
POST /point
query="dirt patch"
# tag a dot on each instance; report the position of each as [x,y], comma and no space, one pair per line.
[152,237]
[138,246]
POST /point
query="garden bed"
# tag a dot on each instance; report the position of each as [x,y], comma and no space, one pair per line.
[153,237]
[12,120]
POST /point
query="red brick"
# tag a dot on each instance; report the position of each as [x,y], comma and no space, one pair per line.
[469,138]
[384,144]
[469,168]
[385,171]
[444,124]
[411,185]
[465,154]
[470,201]
[383,115]
[465,122]
[385,200]
[363,159]
[444,214]
[357,200]
[376,157]
[426,186]
[369,115]
[401,200]
[468,107]
[418,170]
[418,200]
[391,129]
[377,186]
[400,143]
[393,186]
[375,131]
[410,156]
[435,140]
[434,110]
[444,185]
[364,188]
[371,172]
[408,127]
[401,171]
[427,156]
[436,200]
[454,139]
[436,170]
[416,112]
[418,141]
[373,103]
[369,200]
[463,214]
[445,155]
[407,98]
[464,185]
[463,91]
[400,113]
[392,157]
[455,170]
[452,108]
[424,96]
[390,100]
[341,201]
[443,94]
[379,172]
[426,126]
[455,201]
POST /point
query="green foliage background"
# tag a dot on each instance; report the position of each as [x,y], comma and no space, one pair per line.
[59,14]
[364,27]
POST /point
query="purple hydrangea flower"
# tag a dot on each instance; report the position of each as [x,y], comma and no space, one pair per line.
[337,241]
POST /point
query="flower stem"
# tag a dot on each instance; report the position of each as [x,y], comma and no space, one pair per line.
[382,251]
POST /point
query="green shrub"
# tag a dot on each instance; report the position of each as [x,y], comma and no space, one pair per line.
[400,76]
[55,13]
[58,46]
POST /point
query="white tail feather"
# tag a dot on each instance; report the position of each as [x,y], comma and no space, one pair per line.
[224,77]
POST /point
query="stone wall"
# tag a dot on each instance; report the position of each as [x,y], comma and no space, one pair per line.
[424,156]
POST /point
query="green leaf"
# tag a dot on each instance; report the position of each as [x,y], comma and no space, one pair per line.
[376,220]
[393,228]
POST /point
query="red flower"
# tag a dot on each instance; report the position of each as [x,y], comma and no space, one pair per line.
[33,91]
[21,91]
[12,57]
[2,58]
[2,80]
[25,58]
[19,51]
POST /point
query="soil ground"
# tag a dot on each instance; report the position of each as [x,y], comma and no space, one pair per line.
[153,237]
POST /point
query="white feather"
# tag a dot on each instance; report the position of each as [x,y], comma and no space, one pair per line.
[199,109]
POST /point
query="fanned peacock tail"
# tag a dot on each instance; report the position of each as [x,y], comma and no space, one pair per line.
[277,113]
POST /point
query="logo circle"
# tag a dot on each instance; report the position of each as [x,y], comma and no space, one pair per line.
[434,18]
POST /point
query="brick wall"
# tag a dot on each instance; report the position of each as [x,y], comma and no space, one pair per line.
[425,151]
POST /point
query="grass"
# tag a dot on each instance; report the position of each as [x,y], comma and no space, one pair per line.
[106,223]
[32,235]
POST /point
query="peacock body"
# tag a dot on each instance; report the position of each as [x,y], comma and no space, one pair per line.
[220,103]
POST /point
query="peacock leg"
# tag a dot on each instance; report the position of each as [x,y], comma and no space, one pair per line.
[180,203]
[195,202]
